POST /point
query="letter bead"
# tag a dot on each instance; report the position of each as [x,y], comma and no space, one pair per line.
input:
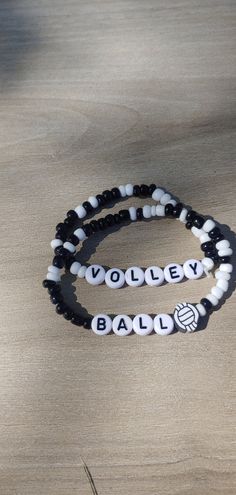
[173,273]
[154,276]
[134,276]
[163,324]
[143,324]
[95,274]
[115,278]
[122,325]
[193,269]
[101,324]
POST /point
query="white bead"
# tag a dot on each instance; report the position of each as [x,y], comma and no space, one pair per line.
[69,246]
[217,292]
[222,244]
[172,202]
[154,276]
[122,191]
[56,243]
[93,201]
[225,252]
[157,194]
[54,269]
[134,276]
[80,234]
[153,210]
[193,269]
[222,275]
[143,324]
[82,271]
[133,213]
[208,263]
[129,189]
[197,232]
[208,225]
[75,267]
[223,284]
[205,238]
[183,215]
[53,276]
[173,273]
[95,274]
[81,212]
[160,210]
[163,324]
[115,278]
[226,267]
[165,199]
[147,211]
[122,325]
[213,299]
[201,309]
[101,324]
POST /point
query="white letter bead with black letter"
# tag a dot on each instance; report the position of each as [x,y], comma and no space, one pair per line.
[115,278]
[186,317]
[143,324]
[95,274]
[134,276]
[173,273]
[193,269]
[122,325]
[154,276]
[163,324]
[101,324]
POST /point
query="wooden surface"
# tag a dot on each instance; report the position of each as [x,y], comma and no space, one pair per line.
[96,94]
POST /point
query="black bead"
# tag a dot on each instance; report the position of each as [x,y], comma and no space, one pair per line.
[213,255]
[62,251]
[62,236]
[139,213]
[87,229]
[102,224]
[198,221]
[101,200]
[69,261]
[177,210]
[107,195]
[151,189]
[116,192]
[87,206]
[68,314]
[73,239]
[117,218]
[60,308]
[124,215]
[220,237]
[188,225]
[224,259]
[169,209]
[214,232]
[144,190]
[94,225]
[206,303]
[73,215]
[48,283]
[61,227]
[54,290]
[87,323]
[110,219]
[56,298]
[58,261]
[69,222]
[77,320]
[191,215]
[136,191]
[208,246]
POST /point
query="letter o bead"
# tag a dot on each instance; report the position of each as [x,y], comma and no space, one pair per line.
[143,324]
[115,278]
[122,325]
[101,324]
[173,273]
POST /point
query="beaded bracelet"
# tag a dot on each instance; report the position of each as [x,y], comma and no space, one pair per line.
[186,315]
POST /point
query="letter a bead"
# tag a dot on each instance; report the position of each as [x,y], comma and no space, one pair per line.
[122,325]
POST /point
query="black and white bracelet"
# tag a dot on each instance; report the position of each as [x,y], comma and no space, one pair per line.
[186,315]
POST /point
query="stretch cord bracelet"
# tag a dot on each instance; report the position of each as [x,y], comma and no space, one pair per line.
[186,315]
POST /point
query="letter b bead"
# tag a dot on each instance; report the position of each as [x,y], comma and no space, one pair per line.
[101,324]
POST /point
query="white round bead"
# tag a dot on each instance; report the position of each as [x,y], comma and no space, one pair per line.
[81,212]
[165,199]
[173,273]
[53,276]
[134,276]
[213,299]
[160,211]
[147,211]
[193,269]
[143,324]
[222,275]
[183,215]
[54,269]
[197,232]
[223,284]
[226,267]
[222,244]
[129,189]
[208,225]
[154,276]
[69,246]
[122,191]
[157,194]
[163,324]
[201,309]
[75,267]
[153,210]
[80,234]
[172,202]
[133,213]
[82,271]
[208,263]
[95,274]
[122,325]
[204,238]
[56,243]
[101,324]
[217,292]
[115,278]
[225,252]
[93,201]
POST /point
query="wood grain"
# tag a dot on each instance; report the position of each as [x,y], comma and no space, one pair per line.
[96,94]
